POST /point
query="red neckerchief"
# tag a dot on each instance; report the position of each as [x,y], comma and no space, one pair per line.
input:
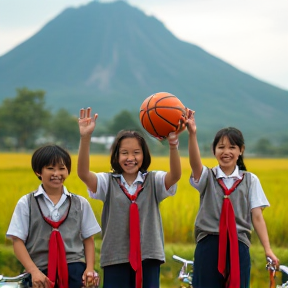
[57,264]
[227,227]
[135,258]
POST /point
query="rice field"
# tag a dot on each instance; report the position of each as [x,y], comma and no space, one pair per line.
[178,212]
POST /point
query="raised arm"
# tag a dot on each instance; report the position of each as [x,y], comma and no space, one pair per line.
[86,127]
[193,148]
[174,174]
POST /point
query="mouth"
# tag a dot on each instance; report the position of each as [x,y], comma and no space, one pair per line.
[226,158]
[132,163]
[56,178]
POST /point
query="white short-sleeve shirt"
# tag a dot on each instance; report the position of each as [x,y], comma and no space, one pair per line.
[257,195]
[19,223]
[103,179]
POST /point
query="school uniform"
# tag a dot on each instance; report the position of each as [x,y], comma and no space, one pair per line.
[247,195]
[28,223]
[115,225]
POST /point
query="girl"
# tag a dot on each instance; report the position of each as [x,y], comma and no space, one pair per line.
[231,200]
[131,221]
[51,227]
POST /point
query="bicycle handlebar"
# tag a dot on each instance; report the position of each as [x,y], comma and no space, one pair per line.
[13,279]
[182,260]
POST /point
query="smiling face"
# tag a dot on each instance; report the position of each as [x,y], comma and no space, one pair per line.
[130,157]
[53,177]
[227,155]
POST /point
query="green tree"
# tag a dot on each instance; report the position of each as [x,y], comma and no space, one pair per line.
[264,147]
[123,121]
[64,129]
[24,117]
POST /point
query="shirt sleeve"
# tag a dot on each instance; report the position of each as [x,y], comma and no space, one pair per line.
[160,185]
[257,195]
[19,223]
[201,183]
[89,225]
[102,187]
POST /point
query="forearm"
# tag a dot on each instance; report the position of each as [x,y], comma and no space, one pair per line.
[83,157]
[175,164]
[174,173]
[261,229]
[194,155]
[23,256]
[89,250]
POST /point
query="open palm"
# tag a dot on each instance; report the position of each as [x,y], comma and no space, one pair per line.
[86,122]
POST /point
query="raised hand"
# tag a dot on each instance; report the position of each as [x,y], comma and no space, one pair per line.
[86,122]
[190,121]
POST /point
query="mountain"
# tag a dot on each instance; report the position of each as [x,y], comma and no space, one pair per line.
[111,56]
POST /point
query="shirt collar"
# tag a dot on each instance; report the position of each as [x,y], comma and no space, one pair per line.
[221,174]
[41,190]
[139,179]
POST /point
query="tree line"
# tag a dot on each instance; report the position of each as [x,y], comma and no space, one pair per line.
[26,123]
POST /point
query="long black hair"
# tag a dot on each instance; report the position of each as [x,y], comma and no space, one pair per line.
[235,137]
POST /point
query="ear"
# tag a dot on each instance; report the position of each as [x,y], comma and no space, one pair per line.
[38,175]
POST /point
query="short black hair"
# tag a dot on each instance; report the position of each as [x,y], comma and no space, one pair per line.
[50,155]
[123,134]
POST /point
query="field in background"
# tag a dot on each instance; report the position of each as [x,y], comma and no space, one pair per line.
[178,212]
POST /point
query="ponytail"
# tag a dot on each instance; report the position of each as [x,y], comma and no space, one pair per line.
[240,163]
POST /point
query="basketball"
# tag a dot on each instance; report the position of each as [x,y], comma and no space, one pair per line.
[160,114]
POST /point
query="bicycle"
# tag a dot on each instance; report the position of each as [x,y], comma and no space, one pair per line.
[19,281]
[14,282]
[186,274]
[273,274]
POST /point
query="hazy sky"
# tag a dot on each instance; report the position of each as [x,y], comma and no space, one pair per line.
[251,35]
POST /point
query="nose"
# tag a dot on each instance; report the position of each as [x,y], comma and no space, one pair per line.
[56,172]
[131,157]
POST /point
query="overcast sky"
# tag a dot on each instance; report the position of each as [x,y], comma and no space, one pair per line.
[251,35]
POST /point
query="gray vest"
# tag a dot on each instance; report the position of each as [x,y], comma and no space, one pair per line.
[115,224]
[39,232]
[207,220]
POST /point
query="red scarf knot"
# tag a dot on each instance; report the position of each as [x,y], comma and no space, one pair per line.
[227,228]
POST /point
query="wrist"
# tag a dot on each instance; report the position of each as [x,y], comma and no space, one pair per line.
[174,145]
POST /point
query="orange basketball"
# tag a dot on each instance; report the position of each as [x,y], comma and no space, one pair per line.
[160,114]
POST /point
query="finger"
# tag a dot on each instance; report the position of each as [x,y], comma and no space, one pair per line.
[82,113]
[88,112]
[95,116]
[190,113]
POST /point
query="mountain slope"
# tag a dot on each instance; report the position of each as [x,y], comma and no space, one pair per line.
[112,56]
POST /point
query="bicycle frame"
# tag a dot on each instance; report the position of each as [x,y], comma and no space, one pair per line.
[185,274]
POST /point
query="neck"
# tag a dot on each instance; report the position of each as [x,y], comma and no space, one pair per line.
[130,178]
[53,192]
